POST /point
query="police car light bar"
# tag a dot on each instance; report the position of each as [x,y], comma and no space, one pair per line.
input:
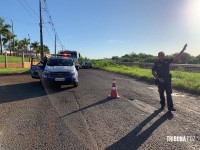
[64,55]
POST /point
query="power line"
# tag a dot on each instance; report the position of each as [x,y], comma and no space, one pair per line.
[31,8]
[51,23]
[25,8]
[28,7]
[31,11]
[48,32]
[50,18]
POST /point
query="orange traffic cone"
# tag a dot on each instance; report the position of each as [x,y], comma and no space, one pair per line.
[114,93]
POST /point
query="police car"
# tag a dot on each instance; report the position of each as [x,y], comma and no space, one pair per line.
[58,70]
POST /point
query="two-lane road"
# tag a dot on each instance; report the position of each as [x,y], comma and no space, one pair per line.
[84,118]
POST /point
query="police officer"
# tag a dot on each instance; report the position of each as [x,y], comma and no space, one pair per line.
[161,73]
[44,60]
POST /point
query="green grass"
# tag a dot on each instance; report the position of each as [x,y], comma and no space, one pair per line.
[136,72]
[180,80]
[13,70]
[186,81]
[12,59]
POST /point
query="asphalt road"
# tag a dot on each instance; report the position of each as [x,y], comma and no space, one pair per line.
[79,118]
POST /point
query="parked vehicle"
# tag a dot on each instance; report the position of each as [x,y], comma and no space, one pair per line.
[75,55]
[57,71]
[35,67]
[86,64]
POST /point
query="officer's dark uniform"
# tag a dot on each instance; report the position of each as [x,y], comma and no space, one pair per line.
[162,71]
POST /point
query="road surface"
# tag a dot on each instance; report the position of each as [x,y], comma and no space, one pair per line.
[82,118]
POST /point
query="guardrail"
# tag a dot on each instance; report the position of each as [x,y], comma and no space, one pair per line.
[182,67]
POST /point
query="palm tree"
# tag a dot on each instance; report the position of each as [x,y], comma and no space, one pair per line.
[35,46]
[4,41]
[13,43]
[8,38]
[4,30]
[19,45]
[25,42]
[46,49]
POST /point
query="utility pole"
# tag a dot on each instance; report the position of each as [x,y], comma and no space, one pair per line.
[13,39]
[1,22]
[41,36]
[55,44]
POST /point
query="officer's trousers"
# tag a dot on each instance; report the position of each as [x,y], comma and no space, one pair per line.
[162,87]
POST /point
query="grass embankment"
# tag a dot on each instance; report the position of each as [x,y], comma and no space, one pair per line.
[181,80]
[12,59]
[14,70]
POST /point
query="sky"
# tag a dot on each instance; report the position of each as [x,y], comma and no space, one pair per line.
[106,28]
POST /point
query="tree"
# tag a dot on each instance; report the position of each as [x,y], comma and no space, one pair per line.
[46,49]
[25,43]
[8,38]
[4,31]
[116,58]
[4,41]
[125,58]
[82,59]
[35,46]
[13,44]
[198,59]
[19,44]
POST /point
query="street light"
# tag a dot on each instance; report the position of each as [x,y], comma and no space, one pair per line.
[13,39]
[29,45]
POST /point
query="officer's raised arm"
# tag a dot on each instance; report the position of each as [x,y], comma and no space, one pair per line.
[177,56]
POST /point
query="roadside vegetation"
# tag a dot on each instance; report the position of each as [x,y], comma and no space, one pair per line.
[147,58]
[187,81]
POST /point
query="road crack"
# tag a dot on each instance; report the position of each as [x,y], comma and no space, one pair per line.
[76,96]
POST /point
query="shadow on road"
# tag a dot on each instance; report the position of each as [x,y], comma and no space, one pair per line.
[22,91]
[89,106]
[15,74]
[16,92]
[133,140]
[52,90]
